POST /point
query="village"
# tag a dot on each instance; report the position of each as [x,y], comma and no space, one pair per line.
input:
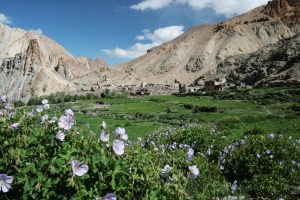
[146,89]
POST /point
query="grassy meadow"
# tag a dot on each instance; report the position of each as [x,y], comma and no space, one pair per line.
[236,144]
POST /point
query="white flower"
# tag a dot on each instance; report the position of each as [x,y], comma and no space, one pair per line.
[189,155]
[3,99]
[60,136]
[69,112]
[194,172]
[120,133]
[209,151]
[46,106]
[79,168]
[66,122]
[119,147]
[258,155]
[104,136]
[53,120]
[103,125]
[234,187]
[164,171]
[44,118]
[268,151]
[40,109]
[5,182]
[271,136]
[45,101]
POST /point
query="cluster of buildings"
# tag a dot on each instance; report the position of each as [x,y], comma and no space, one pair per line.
[217,84]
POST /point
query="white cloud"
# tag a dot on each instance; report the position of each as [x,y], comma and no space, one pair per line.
[226,7]
[5,19]
[155,38]
[38,30]
[151,4]
[140,37]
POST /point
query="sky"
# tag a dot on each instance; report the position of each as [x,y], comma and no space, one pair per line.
[116,30]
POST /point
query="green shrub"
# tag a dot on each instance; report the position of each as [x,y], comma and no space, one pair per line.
[267,166]
[255,131]
[19,103]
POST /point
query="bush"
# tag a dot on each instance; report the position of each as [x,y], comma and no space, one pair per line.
[255,131]
[266,166]
[19,103]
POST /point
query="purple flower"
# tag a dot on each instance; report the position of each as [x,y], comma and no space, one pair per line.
[66,122]
[5,182]
[69,112]
[164,171]
[189,155]
[60,136]
[120,133]
[271,136]
[15,126]
[44,118]
[258,155]
[234,187]
[110,196]
[193,172]
[119,147]
[79,169]
[3,99]
[104,136]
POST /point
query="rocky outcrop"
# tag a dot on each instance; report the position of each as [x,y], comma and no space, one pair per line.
[275,64]
[34,65]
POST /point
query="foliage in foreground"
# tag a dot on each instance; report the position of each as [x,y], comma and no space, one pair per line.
[50,158]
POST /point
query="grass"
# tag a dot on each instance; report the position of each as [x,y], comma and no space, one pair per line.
[237,111]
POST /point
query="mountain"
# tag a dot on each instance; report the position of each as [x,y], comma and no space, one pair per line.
[31,64]
[276,64]
[200,50]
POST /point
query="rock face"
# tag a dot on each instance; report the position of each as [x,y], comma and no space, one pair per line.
[275,64]
[201,49]
[34,65]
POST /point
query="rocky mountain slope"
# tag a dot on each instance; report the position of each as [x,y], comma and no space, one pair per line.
[275,64]
[33,65]
[201,49]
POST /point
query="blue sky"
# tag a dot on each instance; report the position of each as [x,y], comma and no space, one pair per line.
[116,30]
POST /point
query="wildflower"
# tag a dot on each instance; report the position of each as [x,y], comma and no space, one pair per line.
[234,187]
[194,172]
[46,106]
[39,109]
[110,196]
[79,168]
[120,133]
[294,162]
[268,151]
[271,156]
[5,182]
[45,101]
[104,136]
[66,122]
[119,147]
[271,136]
[60,136]
[189,155]
[15,126]
[103,125]
[258,155]
[69,112]
[44,118]
[221,168]
[53,120]
[281,162]
[164,171]
[209,151]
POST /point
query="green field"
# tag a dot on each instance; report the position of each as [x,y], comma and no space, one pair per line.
[233,111]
